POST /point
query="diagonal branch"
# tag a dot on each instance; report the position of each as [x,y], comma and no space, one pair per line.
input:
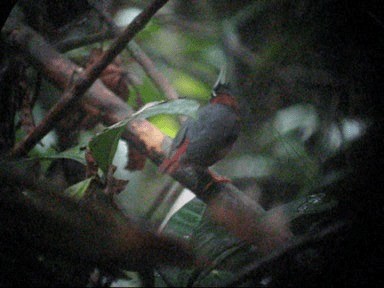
[227,206]
[85,79]
[160,81]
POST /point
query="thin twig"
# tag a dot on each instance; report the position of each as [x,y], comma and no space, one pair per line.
[149,67]
[138,54]
[106,17]
[160,81]
[74,93]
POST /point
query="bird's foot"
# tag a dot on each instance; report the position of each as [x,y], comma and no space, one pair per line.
[216,179]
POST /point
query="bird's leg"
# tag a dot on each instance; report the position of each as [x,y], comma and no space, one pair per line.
[216,179]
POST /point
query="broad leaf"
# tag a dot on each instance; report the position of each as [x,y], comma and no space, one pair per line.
[180,106]
[167,124]
[103,146]
[189,86]
[75,153]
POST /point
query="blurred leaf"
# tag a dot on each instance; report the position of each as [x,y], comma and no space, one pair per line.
[288,147]
[193,44]
[300,116]
[293,163]
[151,29]
[188,86]
[283,138]
[166,123]
[180,106]
[297,121]
[125,16]
[75,153]
[78,190]
[148,93]
[258,166]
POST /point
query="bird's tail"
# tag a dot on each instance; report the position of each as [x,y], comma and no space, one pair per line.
[170,165]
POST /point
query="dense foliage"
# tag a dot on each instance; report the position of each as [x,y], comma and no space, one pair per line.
[306,76]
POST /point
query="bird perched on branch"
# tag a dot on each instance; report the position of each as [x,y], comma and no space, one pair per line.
[203,141]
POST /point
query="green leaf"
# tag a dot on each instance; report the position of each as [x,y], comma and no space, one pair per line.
[77,191]
[188,86]
[75,153]
[103,146]
[147,92]
[167,124]
[180,106]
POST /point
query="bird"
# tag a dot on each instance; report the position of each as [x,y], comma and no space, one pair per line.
[206,139]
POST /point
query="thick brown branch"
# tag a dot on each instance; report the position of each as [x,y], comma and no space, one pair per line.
[227,205]
[85,79]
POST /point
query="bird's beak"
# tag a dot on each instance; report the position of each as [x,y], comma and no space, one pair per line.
[221,80]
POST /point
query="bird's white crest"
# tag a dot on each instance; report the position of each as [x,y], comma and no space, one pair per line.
[221,79]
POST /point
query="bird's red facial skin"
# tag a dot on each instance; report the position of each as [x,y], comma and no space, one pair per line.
[225,99]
